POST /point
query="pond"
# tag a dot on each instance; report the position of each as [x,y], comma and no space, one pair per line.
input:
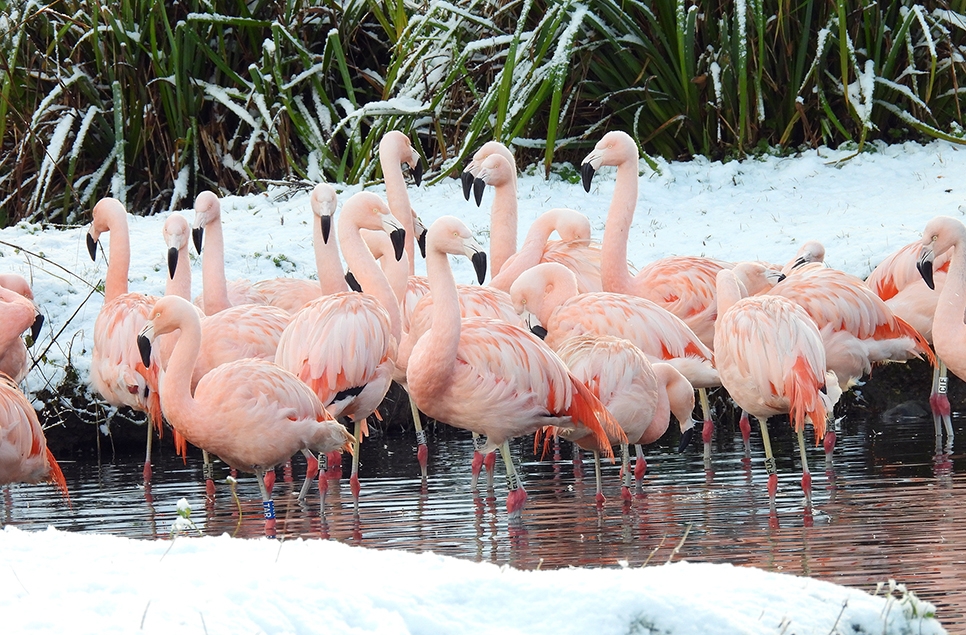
[889,509]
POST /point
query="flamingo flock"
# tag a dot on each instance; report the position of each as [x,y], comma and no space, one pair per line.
[565,340]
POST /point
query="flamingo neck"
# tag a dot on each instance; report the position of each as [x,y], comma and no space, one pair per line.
[180,285]
[564,288]
[327,261]
[447,320]
[728,290]
[370,276]
[180,408]
[503,225]
[120,251]
[614,275]
[529,255]
[214,285]
[952,298]
[398,200]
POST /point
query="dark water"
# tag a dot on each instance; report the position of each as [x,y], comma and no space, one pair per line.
[890,509]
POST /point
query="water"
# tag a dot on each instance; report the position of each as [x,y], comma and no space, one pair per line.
[888,510]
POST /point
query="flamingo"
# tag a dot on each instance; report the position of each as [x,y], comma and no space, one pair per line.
[13,351]
[691,295]
[217,294]
[24,456]
[640,396]
[897,281]
[490,377]
[250,413]
[342,345]
[468,177]
[771,359]
[17,314]
[944,235]
[395,150]
[811,252]
[116,371]
[548,294]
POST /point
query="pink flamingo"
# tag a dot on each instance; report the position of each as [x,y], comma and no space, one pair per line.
[250,413]
[640,396]
[24,456]
[395,150]
[811,252]
[17,314]
[8,364]
[897,281]
[342,345]
[116,372]
[490,377]
[771,360]
[548,293]
[468,177]
[944,235]
[691,295]
[217,293]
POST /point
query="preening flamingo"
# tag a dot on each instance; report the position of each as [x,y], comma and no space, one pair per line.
[639,396]
[117,372]
[810,252]
[771,360]
[692,297]
[897,281]
[342,345]
[490,377]
[17,314]
[14,360]
[24,457]
[250,413]
[217,294]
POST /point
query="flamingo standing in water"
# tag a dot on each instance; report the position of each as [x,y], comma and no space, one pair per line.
[24,457]
[117,373]
[771,359]
[250,413]
[342,345]
[217,294]
[490,377]
[897,281]
[692,296]
[640,396]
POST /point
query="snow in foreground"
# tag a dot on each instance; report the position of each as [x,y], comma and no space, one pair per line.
[62,582]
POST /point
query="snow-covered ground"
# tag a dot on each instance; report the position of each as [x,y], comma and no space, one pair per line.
[861,209]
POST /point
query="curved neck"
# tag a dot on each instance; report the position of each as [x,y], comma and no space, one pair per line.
[563,289]
[447,318]
[503,225]
[728,290]
[120,258]
[180,408]
[614,275]
[180,285]
[214,286]
[529,255]
[952,299]
[367,272]
[398,199]
[327,261]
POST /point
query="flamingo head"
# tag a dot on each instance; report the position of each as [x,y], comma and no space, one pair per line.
[614,148]
[169,313]
[207,210]
[420,230]
[495,170]
[175,232]
[449,235]
[942,233]
[324,201]
[106,213]
[365,210]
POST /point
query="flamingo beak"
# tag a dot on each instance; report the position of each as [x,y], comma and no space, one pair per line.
[586,174]
[421,241]
[172,261]
[539,331]
[198,236]
[686,437]
[92,247]
[781,277]
[350,280]
[478,186]
[924,265]
[467,178]
[479,264]
[417,172]
[144,344]
[35,327]
[326,221]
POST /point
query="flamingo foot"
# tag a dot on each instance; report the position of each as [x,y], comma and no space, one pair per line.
[147,472]
[807,487]
[626,494]
[209,488]
[323,490]
[422,455]
[601,499]
[312,469]
[475,468]
[745,426]
[515,500]
[489,462]
[270,484]
[707,432]
[772,487]
[640,469]
[355,487]
[829,444]
[270,528]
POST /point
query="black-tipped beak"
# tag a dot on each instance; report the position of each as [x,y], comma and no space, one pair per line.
[144,347]
[781,277]
[539,331]
[799,262]
[198,237]
[352,282]
[417,172]
[925,269]
[172,261]
[326,221]
[421,241]
[35,328]
[686,437]
[92,247]
[467,178]
[478,186]
[398,237]
[479,263]
[586,175]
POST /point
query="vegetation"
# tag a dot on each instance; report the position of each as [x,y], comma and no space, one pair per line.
[151,101]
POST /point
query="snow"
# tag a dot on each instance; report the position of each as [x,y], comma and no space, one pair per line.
[861,208]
